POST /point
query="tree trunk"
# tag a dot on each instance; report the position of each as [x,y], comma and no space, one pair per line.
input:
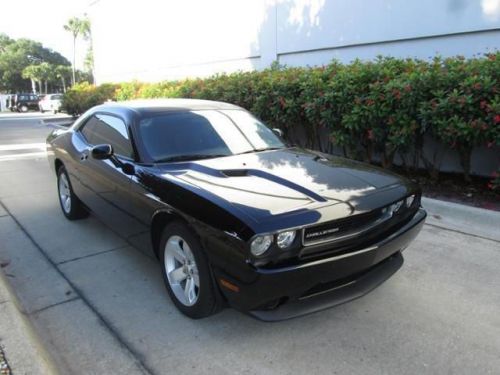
[33,86]
[465,154]
[431,166]
[74,59]
[388,156]
[63,84]
[45,87]
[40,87]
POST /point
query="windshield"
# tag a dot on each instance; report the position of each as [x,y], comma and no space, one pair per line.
[205,134]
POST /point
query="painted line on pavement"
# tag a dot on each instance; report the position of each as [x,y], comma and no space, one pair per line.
[29,155]
[22,146]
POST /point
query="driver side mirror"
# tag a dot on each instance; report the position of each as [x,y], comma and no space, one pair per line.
[278,132]
[105,152]
[102,152]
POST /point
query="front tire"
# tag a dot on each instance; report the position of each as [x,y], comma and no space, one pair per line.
[186,272]
[24,108]
[71,206]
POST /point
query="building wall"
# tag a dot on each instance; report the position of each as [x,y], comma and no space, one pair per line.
[152,40]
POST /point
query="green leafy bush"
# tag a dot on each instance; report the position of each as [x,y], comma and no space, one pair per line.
[373,110]
[83,96]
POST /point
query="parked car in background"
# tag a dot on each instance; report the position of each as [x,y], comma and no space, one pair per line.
[23,102]
[50,102]
[233,213]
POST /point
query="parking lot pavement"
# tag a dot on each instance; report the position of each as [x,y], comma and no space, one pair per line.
[99,305]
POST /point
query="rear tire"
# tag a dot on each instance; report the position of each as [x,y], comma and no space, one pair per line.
[186,272]
[71,206]
[24,108]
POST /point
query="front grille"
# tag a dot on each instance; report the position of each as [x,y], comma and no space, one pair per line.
[339,229]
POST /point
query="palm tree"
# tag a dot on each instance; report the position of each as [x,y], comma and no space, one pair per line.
[34,73]
[47,73]
[63,71]
[76,27]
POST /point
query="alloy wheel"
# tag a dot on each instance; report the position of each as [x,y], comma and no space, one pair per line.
[64,193]
[181,270]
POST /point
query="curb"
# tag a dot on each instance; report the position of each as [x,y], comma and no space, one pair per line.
[470,220]
[40,358]
[50,317]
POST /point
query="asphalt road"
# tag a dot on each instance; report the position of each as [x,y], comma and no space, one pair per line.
[99,305]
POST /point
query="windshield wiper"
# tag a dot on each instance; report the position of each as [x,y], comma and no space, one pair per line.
[189,157]
[261,149]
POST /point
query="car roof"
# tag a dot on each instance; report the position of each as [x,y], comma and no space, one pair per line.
[152,106]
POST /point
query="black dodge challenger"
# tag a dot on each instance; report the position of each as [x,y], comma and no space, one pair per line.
[233,213]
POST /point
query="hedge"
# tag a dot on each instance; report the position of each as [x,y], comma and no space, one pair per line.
[372,110]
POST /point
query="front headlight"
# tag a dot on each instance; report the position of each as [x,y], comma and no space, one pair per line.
[410,200]
[395,207]
[285,239]
[260,244]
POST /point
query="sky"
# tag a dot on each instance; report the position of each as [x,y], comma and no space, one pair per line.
[42,21]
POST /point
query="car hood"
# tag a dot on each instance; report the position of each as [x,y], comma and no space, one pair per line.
[280,181]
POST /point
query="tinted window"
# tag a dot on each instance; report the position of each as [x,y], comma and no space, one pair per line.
[203,134]
[104,129]
[56,97]
[257,133]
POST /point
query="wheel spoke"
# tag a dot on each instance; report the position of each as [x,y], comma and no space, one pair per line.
[189,291]
[181,270]
[176,250]
[196,278]
[177,275]
[67,204]
[188,252]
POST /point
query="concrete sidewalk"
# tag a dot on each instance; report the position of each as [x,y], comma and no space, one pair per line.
[98,305]
[57,310]
[461,218]
[24,353]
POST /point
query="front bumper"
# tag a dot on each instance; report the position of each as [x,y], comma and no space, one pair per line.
[317,285]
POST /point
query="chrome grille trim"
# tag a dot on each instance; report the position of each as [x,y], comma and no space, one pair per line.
[332,239]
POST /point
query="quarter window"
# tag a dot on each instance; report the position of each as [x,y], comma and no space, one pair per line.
[105,129]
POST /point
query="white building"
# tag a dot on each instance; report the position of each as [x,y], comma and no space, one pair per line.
[153,40]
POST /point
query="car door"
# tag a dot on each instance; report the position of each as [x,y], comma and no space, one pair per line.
[33,102]
[105,185]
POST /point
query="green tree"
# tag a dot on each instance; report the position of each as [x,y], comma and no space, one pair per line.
[47,72]
[88,63]
[63,72]
[77,27]
[16,55]
[33,73]
[4,42]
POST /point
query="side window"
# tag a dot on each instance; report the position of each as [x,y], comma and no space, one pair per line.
[89,129]
[111,130]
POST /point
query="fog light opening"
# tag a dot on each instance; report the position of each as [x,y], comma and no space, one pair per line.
[228,285]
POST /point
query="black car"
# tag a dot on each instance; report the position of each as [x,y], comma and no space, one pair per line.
[23,102]
[232,212]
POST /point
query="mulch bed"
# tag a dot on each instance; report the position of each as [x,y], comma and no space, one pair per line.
[452,187]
